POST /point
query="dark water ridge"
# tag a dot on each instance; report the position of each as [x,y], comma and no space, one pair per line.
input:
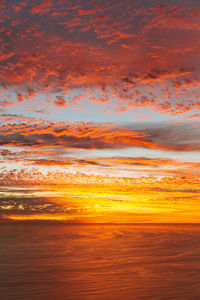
[99,261]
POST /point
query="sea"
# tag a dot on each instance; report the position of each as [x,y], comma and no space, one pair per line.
[99,261]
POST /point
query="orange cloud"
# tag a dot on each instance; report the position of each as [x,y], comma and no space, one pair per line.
[42,134]
[120,55]
[44,7]
[80,198]
[60,47]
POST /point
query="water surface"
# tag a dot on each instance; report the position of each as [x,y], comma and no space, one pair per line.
[45,261]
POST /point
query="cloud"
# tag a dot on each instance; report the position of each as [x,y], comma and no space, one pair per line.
[81,198]
[80,135]
[116,166]
[114,57]
[138,58]
[43,7]
[60,101]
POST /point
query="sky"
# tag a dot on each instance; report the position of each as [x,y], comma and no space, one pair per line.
[100,111]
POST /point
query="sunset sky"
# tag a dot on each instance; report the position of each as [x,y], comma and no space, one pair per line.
[100,111]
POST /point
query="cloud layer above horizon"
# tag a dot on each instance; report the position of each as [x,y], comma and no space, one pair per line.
[102,89]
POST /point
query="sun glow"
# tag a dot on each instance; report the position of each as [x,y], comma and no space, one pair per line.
[109,200]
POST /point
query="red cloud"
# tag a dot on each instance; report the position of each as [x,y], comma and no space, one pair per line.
[140,56]
[45,6]
[60,101]
[44,134]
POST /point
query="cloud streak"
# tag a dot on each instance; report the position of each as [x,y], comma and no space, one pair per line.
[44,134]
